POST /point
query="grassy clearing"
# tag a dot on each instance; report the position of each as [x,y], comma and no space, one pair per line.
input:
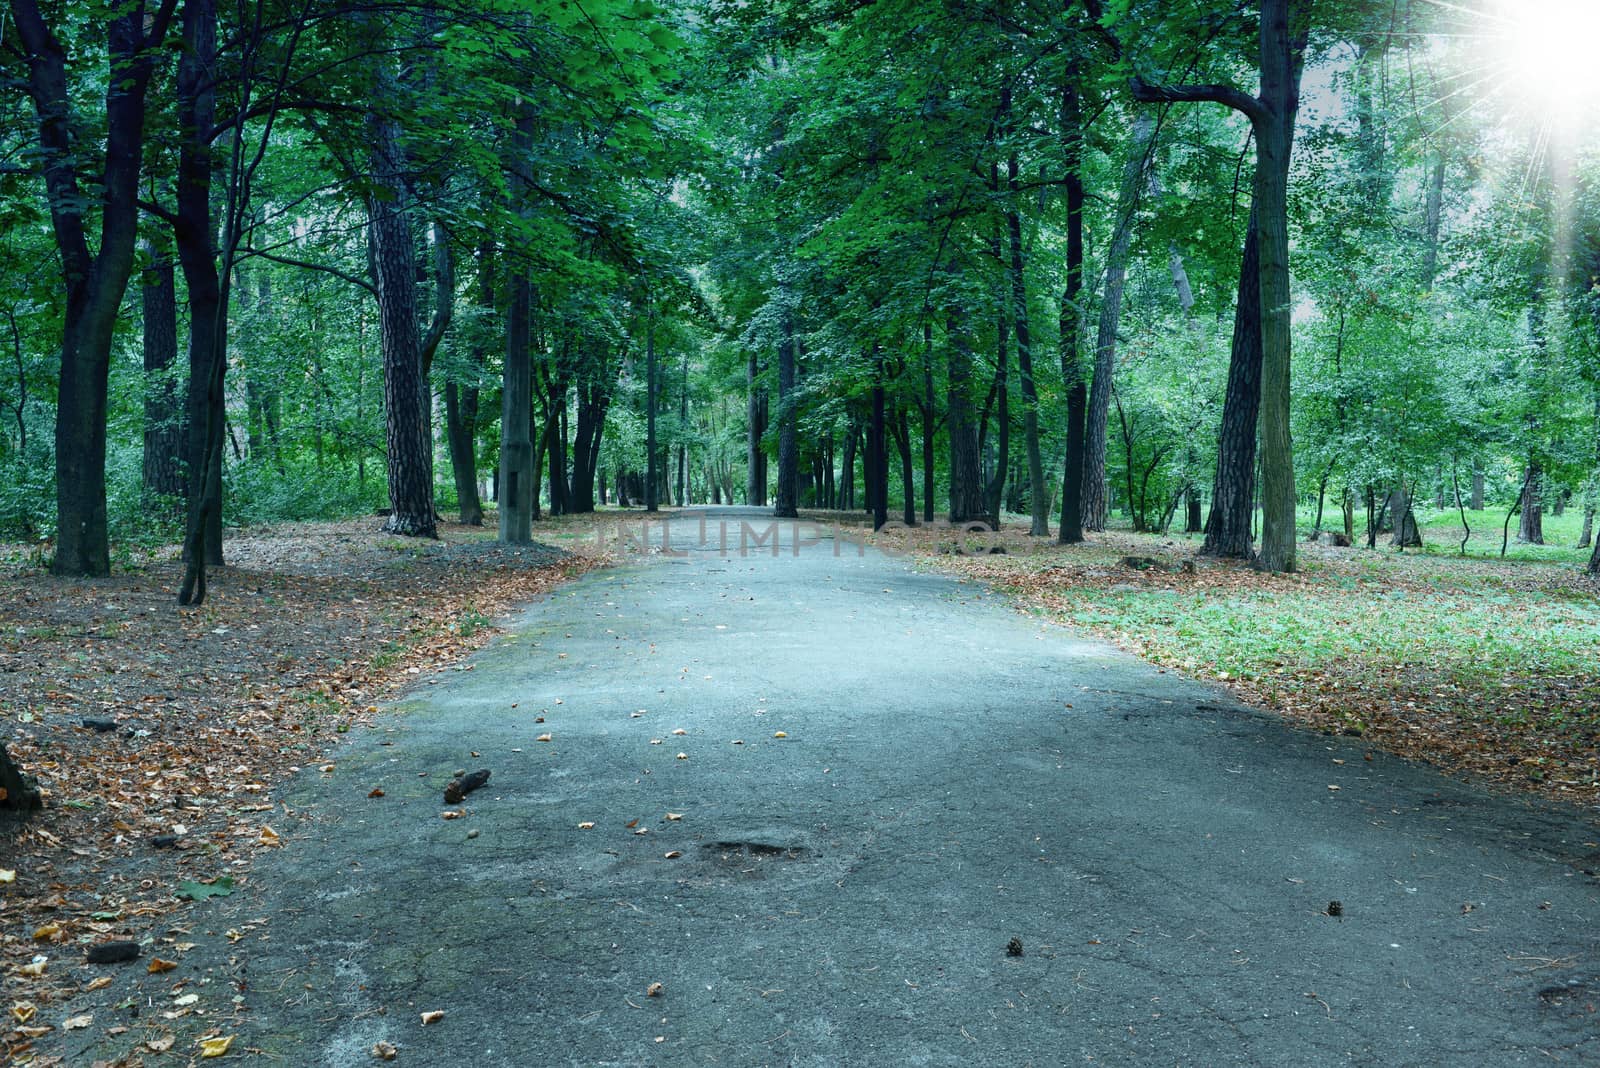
[1474,664]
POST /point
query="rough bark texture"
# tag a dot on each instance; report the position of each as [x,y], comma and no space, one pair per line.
[966,478]
[94,281]
[787,505]
[1283,41]
[1530,527]
[1233,489]
[519,481]
[877,447]
[1594,560]
[1105,349]
[163,416]
[461,407]
[405,400]
[195,232]
[1071,324]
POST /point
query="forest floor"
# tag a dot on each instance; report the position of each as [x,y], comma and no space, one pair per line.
[1476,665]
[159,736]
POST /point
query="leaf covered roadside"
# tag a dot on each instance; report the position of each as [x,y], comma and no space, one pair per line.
[1479,667]
[305,631]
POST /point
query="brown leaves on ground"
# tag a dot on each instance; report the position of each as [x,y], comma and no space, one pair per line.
[1527,726]
[304,632]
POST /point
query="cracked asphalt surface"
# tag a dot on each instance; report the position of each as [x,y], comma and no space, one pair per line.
[887,776]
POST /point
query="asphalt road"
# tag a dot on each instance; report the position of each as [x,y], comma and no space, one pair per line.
[884,777]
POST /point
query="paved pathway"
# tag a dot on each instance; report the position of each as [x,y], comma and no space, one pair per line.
[885,779]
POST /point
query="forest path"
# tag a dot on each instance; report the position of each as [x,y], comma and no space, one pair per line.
[954,775]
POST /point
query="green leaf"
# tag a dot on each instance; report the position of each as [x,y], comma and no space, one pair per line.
[194,891]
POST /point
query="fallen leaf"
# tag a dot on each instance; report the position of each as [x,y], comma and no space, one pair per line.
[196,891]
[269,837]
[683,756]
[160,1045]
[34,1032]
[631,824]
[99,983]
[7,875]
[186,999]
[680,731]
[542,738]
[46,932]
[377,791]
[451,814]
[158,965]
[672,854]
[432,1017]
[76,1023]
[23,1011]
[326,768]
[384,1051]
[653,990]
[780,734]
[674,816]
[33,968]
[655,741]
[215,1047]
[586,825]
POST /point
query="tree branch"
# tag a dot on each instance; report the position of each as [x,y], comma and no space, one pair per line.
[1218,93]
[324,268]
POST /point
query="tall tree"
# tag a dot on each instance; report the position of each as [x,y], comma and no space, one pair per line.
[89,187]
[1284,29]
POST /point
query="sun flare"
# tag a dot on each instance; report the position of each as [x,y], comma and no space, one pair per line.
[1548,49]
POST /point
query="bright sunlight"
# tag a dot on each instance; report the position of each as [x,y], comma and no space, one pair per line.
[1545,55]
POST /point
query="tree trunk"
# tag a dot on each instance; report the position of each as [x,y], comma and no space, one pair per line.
[18,791]
[461,407]
[1071,320]
[1406,534]
[908,476]
[877,447]
[1094,457]
[195,233]
[519,477]
[1477,485]
[966,480]
[1530,529]
[929,424]
[787,503]
[405,391]
[1283,39]
[1233,490]
[94,281]
[1433,210]
[163,417]
[1040,524]
[847,469]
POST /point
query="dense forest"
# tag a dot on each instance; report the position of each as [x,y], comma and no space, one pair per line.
[1267,271]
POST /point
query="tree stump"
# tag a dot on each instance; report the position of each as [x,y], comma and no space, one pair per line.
[18,792]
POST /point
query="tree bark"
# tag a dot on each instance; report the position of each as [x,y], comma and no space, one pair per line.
[163,416]
[94,281]
[1530,528]
[877,447]
[1233,489]
[787,503]
[1284,27]
[393,256]
[461,406]
[1105,352]
[652,482]
[966,479]
[1071,322]
[518,475]
[1040,520]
